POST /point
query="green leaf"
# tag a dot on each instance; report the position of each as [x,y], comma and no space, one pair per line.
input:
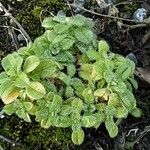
[64,122]
[128,99]
[10,94]
[61,28]
[9,109]
[50,35]
[126,73]
[28,105]
[114,100]
[77,84]
[66,79]
[71,70]
[111,127]
[133,82]
[136,112]
[77,136]
[81,47]
[56,104]
[41,44]
[100,117]
[65,57]
[3,77]
[26,51]
[93,55]
[83,35]
[77,104]
[103,47]
[48,23]
[22,80]
[22,114]
[12,62]
[5,85]
[101,107]
[88,121]
[86,71]
[100,92]
[110,110]
[31,63]
[61,19]
[69,91]
[88,95]
[59,38]
[66,110]
[121,112]
[35,90]
[67,43]
[77,20]
[46,69]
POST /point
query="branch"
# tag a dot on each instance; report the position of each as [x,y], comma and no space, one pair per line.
[9,140]
[24,33]
[107,16]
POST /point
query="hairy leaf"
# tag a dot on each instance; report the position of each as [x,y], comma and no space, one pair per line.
[31,63]
[35,90]
[77,136]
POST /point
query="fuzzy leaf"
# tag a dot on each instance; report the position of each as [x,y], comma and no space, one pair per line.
[121,112]
[83,35]
[61,28]
[128,99]
[133,82]
[67,43]
[126,73]
[69,91]
[12,62]
[88,95]
[71,70]
[35,90]
[10,94]
[136,112]
[103,47]
[22,80]
[86,71]
[28,105]
[77,104]
[31,63]
[48,23]
[9,109]
[100,92]
[88,121]
[114,100]
[111,127]
[77,136]
[3,77]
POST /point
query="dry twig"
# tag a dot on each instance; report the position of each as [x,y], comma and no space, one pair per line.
[22,31]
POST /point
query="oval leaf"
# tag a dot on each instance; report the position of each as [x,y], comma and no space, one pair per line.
[10,95]
[31,63]
[35,90]
[77,137]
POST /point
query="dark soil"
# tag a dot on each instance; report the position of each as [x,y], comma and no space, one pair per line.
[134,133]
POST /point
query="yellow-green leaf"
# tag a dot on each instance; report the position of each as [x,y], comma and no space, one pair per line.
[77,136]
[35,90]
[31,63]
[10,95]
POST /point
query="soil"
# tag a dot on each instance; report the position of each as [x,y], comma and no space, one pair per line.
[124,37]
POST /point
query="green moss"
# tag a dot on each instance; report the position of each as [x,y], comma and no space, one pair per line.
[29,14]
[32,135]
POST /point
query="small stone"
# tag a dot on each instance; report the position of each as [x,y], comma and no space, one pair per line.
[140,14]
[132,57]
[2,116]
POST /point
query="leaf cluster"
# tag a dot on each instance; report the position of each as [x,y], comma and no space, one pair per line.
[66,78]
